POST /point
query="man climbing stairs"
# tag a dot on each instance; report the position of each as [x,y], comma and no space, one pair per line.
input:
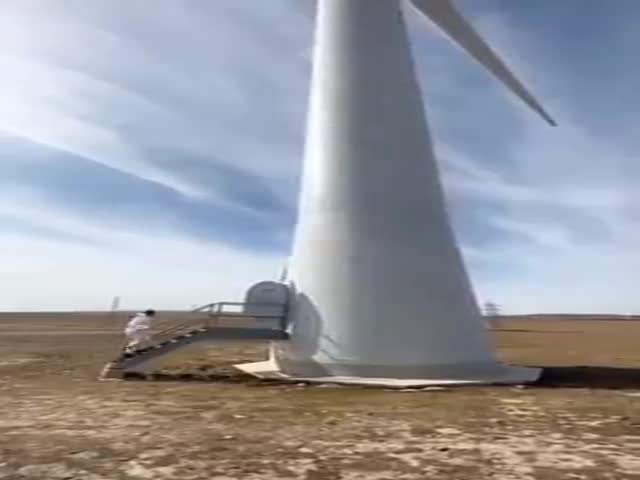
[226,321]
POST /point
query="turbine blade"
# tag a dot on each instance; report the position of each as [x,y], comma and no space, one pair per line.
[445,15]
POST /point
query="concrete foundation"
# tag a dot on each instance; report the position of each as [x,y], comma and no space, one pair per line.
[504,376]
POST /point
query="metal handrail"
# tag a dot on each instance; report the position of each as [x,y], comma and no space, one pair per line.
[219,308]
[175,329]
[214,310]
[156,338]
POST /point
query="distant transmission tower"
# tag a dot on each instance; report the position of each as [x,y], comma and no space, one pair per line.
[491,313]
[115,305]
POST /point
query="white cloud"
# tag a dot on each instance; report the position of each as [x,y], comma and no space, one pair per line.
[45,275]
[106,86]
[567,197]
[145,270]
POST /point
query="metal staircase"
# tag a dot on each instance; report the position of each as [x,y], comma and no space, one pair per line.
[223,321]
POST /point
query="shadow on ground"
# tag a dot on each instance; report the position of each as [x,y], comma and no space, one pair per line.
[234,378]
[609,378]
[525,330]
[590,377]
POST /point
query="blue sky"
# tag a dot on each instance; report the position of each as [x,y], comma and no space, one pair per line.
[152,150]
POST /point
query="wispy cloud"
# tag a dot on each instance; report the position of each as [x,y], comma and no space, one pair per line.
[55,260]
[149,147]
[153,151]
[560,204]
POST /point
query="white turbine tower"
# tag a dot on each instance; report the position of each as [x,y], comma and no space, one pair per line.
[379,290]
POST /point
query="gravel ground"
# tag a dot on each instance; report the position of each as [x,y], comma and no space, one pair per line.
[58,422]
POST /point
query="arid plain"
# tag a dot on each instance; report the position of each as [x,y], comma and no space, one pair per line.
[199,419]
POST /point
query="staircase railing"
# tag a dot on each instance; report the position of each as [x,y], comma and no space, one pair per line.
[217,311]
[261,312]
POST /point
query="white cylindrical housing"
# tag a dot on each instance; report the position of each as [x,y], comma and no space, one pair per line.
[379,286]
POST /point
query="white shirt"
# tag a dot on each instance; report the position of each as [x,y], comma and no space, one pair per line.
[139,322]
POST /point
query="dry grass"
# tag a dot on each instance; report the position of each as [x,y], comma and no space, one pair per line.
[58,422]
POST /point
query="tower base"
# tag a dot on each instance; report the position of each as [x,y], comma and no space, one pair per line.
[502,375]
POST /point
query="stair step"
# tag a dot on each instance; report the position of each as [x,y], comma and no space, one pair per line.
[163,344]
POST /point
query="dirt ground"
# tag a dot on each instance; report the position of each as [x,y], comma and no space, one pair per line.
[58,422]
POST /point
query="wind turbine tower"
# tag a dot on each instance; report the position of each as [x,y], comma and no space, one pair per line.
[379,292]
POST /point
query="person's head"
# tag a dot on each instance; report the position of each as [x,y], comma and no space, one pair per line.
[150,312]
